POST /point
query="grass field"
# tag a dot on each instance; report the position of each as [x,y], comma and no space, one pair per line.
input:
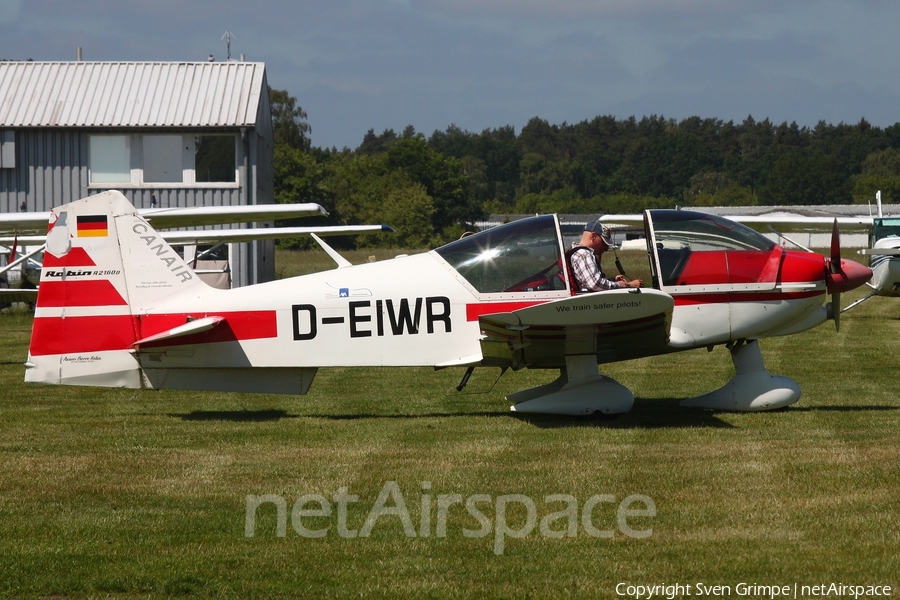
[115,493]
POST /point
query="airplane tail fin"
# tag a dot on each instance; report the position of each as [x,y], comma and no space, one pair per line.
[103,267]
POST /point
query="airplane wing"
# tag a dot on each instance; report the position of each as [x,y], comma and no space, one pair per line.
[201,236]
[802,223]
[880,251]
[613,325]
[168,218]
[27,223]
[10,295]
[21,240]
[623,219]
[264,233]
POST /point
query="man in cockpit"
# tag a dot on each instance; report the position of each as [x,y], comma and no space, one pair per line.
[584,261]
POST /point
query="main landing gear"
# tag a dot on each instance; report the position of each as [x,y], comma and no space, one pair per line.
[752,388]
[580,390]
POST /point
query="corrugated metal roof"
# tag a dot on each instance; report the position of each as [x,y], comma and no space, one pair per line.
[129,94]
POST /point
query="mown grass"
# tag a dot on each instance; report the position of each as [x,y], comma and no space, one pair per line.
[113,493]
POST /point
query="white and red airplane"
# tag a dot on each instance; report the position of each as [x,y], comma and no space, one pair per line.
[118,307]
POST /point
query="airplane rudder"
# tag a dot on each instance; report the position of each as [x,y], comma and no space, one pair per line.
[83,325]
[82,266]
[153,269]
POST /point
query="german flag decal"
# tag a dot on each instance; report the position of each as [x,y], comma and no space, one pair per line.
[92,226]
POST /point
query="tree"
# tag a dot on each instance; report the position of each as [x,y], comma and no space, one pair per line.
[880,171]
[717,189]
[804,177]
[289,124]
[444,179]
[298,177]
[375,144]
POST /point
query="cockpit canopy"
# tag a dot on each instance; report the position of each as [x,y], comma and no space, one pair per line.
[693,248]
[522,256]
[700,231]
[686,247]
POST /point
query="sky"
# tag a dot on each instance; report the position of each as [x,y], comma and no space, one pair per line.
[356,65]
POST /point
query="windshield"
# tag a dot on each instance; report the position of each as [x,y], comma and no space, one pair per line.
[522,256]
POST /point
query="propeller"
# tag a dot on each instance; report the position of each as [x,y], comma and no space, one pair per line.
[834,268]
[841,276]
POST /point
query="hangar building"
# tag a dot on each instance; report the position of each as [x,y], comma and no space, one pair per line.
[170,134]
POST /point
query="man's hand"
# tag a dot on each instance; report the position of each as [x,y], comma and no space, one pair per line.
[635,283]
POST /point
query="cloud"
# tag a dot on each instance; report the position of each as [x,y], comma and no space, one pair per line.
[360,64]
[567,9]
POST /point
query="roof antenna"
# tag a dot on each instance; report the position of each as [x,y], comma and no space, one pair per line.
[227,37]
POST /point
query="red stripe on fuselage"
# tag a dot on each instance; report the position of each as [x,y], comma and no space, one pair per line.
[473,311]
[728,297]
[79,335]
[248,325]
[92,292]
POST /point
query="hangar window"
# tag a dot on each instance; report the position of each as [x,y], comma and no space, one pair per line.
[214,159]
[7,149]
[110,158]
[164,160]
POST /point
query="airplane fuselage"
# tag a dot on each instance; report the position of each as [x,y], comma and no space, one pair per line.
[118,307]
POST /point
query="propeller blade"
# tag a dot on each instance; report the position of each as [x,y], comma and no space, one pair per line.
[834,307]
[835,248]
[841,276]
[836,310]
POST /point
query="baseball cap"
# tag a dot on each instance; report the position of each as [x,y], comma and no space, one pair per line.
[603,232]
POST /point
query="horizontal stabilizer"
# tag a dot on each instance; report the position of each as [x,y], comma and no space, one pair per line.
[189,328]
[463,361]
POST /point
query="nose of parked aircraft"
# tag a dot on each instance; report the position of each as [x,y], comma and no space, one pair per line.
[849,276]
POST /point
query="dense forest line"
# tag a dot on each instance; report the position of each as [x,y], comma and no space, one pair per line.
[430,188]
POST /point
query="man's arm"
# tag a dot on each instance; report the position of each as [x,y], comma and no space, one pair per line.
[588,274]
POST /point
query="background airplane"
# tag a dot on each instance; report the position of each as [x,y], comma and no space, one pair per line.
[122,309]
